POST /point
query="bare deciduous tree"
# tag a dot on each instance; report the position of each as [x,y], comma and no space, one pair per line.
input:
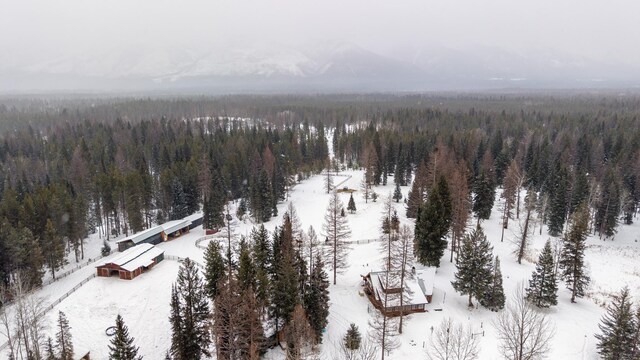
[311,243]
[299,336]
[525,228]
[402,250]
[26,335]
[365,187]
[5,320]
[366,351]
[512,183]
[336,230]
[524,332]
[452,341]
[382,333]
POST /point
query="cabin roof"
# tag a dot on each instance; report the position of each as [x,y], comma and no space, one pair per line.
[417,288]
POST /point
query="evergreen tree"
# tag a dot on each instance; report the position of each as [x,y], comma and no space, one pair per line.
[178,341]
[262,201]
[484,194]
[285,279]
[213,207]
[49,351]
[572,257]
[579,191]
[53,248]
[242,208]
[418,191]
[557,211]
[397,193]
[262,256]
[352,338]
[493,299]
[214,268]
[246,270]
[328,179]
[608,207]
[351,206]
[618,329]
[189,315]
[543,288]
[64,345]
[179,202]
[316,301]
[432,225]
[122,347]
[473,270]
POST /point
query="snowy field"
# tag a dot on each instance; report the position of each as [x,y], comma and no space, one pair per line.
[144,301]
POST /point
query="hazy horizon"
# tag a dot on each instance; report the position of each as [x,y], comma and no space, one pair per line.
[361,44]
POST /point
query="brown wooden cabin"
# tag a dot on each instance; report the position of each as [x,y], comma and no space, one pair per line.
[418,292]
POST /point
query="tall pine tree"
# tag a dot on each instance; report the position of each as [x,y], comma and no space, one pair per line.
[397,193]
[557,206]
[190,315]
[316,301]
[474,269]
[432,225]
[418,191]
[214,268]
[483,197]
[543,287]
[64,345]
[284,281]
[122,347]
[572,265]
[493,298]
[618,329]
[213,207]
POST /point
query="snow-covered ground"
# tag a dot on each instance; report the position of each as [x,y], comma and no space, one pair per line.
[144,301]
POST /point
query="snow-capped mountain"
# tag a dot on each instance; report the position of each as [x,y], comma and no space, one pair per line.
[326,67]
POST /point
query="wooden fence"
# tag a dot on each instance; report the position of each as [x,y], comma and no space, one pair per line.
[74,269]
[55,303]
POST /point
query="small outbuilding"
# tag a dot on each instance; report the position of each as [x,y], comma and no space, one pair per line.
[417,293]
[132,262]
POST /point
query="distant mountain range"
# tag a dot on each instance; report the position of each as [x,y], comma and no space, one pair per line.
[326,68]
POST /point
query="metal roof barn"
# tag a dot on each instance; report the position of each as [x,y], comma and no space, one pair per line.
[132,262]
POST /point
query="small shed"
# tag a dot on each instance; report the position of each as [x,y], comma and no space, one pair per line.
[132,262]
[150,236]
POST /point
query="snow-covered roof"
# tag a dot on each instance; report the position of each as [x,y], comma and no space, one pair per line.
[426,278]
[143,235]
[420,286]
[175,225]
[193,217]
[137,256]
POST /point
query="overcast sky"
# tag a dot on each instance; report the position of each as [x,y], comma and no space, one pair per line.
[603,30]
